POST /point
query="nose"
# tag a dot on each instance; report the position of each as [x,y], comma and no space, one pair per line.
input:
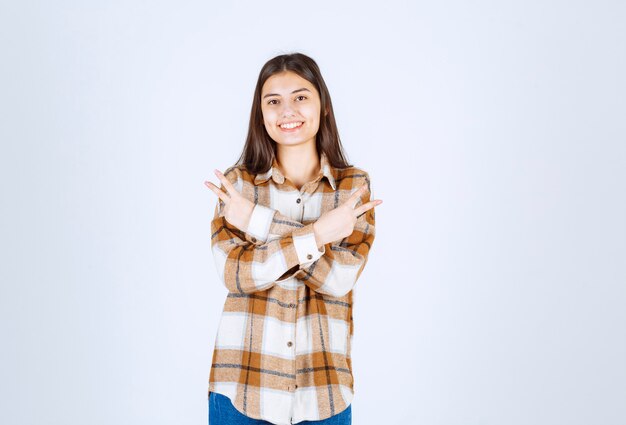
[287,111]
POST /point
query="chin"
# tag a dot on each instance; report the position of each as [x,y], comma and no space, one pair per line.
[289,142]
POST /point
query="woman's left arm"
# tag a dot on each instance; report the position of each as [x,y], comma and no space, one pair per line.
[336,272]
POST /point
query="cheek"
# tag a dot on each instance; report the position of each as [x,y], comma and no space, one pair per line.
[312,112]
[269,128]
[315,127]
[267,119]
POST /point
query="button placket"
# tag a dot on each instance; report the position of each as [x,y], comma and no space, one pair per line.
[290,343]
[301,200]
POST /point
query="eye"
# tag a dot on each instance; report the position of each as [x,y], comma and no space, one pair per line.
[270,102]
[301,96]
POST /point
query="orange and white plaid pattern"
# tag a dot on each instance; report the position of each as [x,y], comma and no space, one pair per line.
[283,346]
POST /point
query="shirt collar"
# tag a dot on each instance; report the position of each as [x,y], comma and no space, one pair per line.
[326,169]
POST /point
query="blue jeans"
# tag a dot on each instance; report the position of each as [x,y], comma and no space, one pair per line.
[222,412]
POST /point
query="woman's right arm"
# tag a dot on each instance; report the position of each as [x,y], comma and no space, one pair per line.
[245,266]
[343,257]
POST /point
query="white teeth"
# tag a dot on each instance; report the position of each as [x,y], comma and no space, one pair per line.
[291,125]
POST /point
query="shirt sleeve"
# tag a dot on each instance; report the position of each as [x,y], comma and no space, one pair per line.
[336,272]
[265,221]
[245,266]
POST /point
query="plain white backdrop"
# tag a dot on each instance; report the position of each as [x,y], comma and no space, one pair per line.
[494,132]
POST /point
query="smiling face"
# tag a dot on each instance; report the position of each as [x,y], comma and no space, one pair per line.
[288,99]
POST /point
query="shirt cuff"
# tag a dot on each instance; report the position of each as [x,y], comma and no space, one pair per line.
[260,221]
[306,247]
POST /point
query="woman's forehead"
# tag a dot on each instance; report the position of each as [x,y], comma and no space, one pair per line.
[285,83]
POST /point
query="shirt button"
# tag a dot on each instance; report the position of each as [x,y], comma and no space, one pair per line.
[289,344]
[309,256]
[298,200]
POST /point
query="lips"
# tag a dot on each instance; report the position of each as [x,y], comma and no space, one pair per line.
[290,124]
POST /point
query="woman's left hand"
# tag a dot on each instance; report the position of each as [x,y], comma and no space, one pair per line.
[237,209]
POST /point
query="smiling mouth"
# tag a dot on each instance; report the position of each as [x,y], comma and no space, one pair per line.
[291,126]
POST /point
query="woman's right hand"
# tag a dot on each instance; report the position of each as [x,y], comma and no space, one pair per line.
[237,209]
[339,222]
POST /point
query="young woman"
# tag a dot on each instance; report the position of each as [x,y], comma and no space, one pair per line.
[291,233]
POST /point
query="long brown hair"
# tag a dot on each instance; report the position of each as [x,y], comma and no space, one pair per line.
[260,150]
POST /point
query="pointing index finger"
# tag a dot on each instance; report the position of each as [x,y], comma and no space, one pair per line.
[227,184]
[219,192]
[353,199]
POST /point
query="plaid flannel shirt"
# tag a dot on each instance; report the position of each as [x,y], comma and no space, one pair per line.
[283,346]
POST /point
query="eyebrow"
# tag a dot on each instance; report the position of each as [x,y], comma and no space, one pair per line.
[295,91]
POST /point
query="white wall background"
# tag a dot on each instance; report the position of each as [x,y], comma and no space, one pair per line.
[495,133]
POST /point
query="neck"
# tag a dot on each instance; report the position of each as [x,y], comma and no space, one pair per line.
[300,164]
